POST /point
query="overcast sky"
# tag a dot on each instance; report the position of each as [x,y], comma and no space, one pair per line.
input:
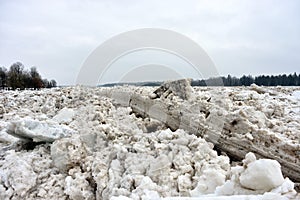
[242,37]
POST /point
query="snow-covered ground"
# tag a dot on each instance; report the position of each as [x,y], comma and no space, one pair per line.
[76,143]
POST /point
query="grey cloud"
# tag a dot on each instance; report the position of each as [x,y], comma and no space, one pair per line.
[250,37]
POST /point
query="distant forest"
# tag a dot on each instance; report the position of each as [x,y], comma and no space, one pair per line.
[262,80]
[19,78]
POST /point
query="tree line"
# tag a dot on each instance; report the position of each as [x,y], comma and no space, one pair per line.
[262,80]
[19,78]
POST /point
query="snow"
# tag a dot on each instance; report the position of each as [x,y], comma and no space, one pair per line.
[296,94]
[93,148]
[266,196]
[262,174]
[65,116]
[18,174]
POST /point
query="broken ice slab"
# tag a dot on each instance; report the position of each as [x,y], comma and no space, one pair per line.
[38,131]
[181,88]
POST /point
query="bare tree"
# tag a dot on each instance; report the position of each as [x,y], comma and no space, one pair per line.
[3,77]
[15,76]
[36,78]
[53,83]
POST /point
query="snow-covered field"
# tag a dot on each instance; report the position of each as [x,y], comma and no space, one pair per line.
[78,143]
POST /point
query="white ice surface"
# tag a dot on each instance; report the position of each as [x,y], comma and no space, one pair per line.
[64,116]
[45,131]
[114,155]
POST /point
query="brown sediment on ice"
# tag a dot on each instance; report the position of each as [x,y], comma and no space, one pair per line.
[236,123]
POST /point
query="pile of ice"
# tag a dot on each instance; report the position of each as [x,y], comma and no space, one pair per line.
[72,143]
